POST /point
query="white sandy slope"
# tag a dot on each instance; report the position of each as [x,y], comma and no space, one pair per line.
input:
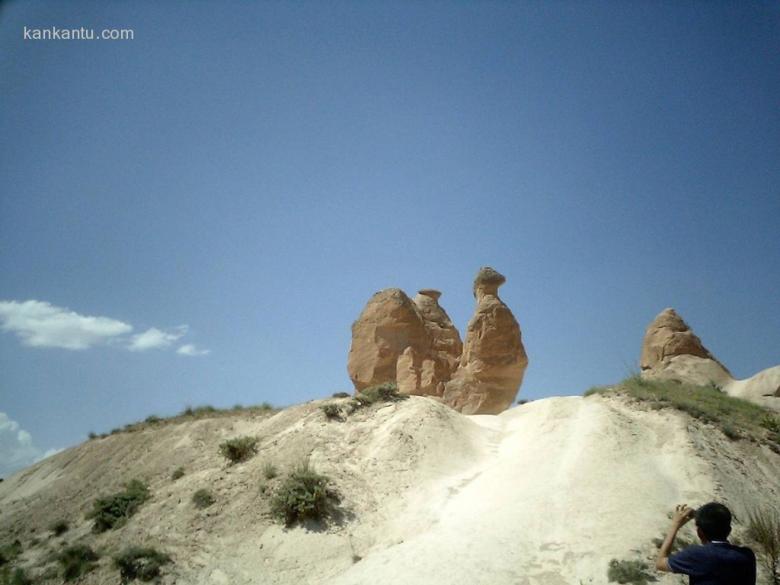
[545,493]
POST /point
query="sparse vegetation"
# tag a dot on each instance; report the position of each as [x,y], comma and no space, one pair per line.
[152,419]
[734,417]
[270,471]
[763,528]
[178,473]
[633,572]
[304,495]
[202,499]
[113,511]
[331,411]
[679,543]
[16,576]
[341,395]
[92,435]
[198,410]
[59,527]
[77,560]
[238,449]
[9,552]
[387,392]
[143,563]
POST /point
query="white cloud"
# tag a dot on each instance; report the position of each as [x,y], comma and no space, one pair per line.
[40,324]
[17,449]
[156,339]
[189,349]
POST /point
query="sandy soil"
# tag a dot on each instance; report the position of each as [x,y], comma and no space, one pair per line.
[545,493]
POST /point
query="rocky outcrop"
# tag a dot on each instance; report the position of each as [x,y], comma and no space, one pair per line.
[415,344]
[671,351]
[446,345]
[493,361]
[389,325]
[668,336]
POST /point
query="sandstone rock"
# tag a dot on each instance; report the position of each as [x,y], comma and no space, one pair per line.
[389,324]
[446,346]
[668,336]
[671,351]
[690,369]
[493,361]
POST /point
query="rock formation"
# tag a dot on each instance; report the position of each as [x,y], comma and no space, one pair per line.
[671,351]
[390,325]
[494,360]
[667,336]
[446,345]
[415,344]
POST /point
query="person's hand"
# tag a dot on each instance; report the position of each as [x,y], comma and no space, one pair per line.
[682,514]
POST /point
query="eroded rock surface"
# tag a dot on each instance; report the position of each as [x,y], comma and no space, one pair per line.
[389,324]
[494,360]
[415,344]
[668,336]
[671,351]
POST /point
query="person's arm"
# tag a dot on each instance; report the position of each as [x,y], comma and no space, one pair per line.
[682,514]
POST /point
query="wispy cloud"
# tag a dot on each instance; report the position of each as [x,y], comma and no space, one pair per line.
[156,339]
[17,448]
[40,324]
[189,349]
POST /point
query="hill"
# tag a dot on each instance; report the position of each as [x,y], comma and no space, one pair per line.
[545,493]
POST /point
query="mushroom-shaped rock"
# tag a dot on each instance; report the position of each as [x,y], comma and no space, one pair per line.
[389,324]
[494,360]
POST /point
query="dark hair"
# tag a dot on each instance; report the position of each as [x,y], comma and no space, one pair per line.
[714,520]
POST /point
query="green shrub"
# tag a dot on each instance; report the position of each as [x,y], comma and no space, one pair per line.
[202,498]
[9,552]
[178,473]
[199,411]
[77,560]
[634,572]
[770,423]
[59,527]
[152,418]
[331,411]
[730,432]
[270,470]
[763,528]
[387,392]
[341,395]
[14,577]
[142,563]
[92,435]
[304,495]
[238,449]
[113,511]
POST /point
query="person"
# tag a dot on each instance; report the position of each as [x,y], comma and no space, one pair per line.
[716,561]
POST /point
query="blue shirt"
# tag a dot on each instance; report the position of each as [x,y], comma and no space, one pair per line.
[716,563]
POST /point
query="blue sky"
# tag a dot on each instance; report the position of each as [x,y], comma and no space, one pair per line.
[240,178]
